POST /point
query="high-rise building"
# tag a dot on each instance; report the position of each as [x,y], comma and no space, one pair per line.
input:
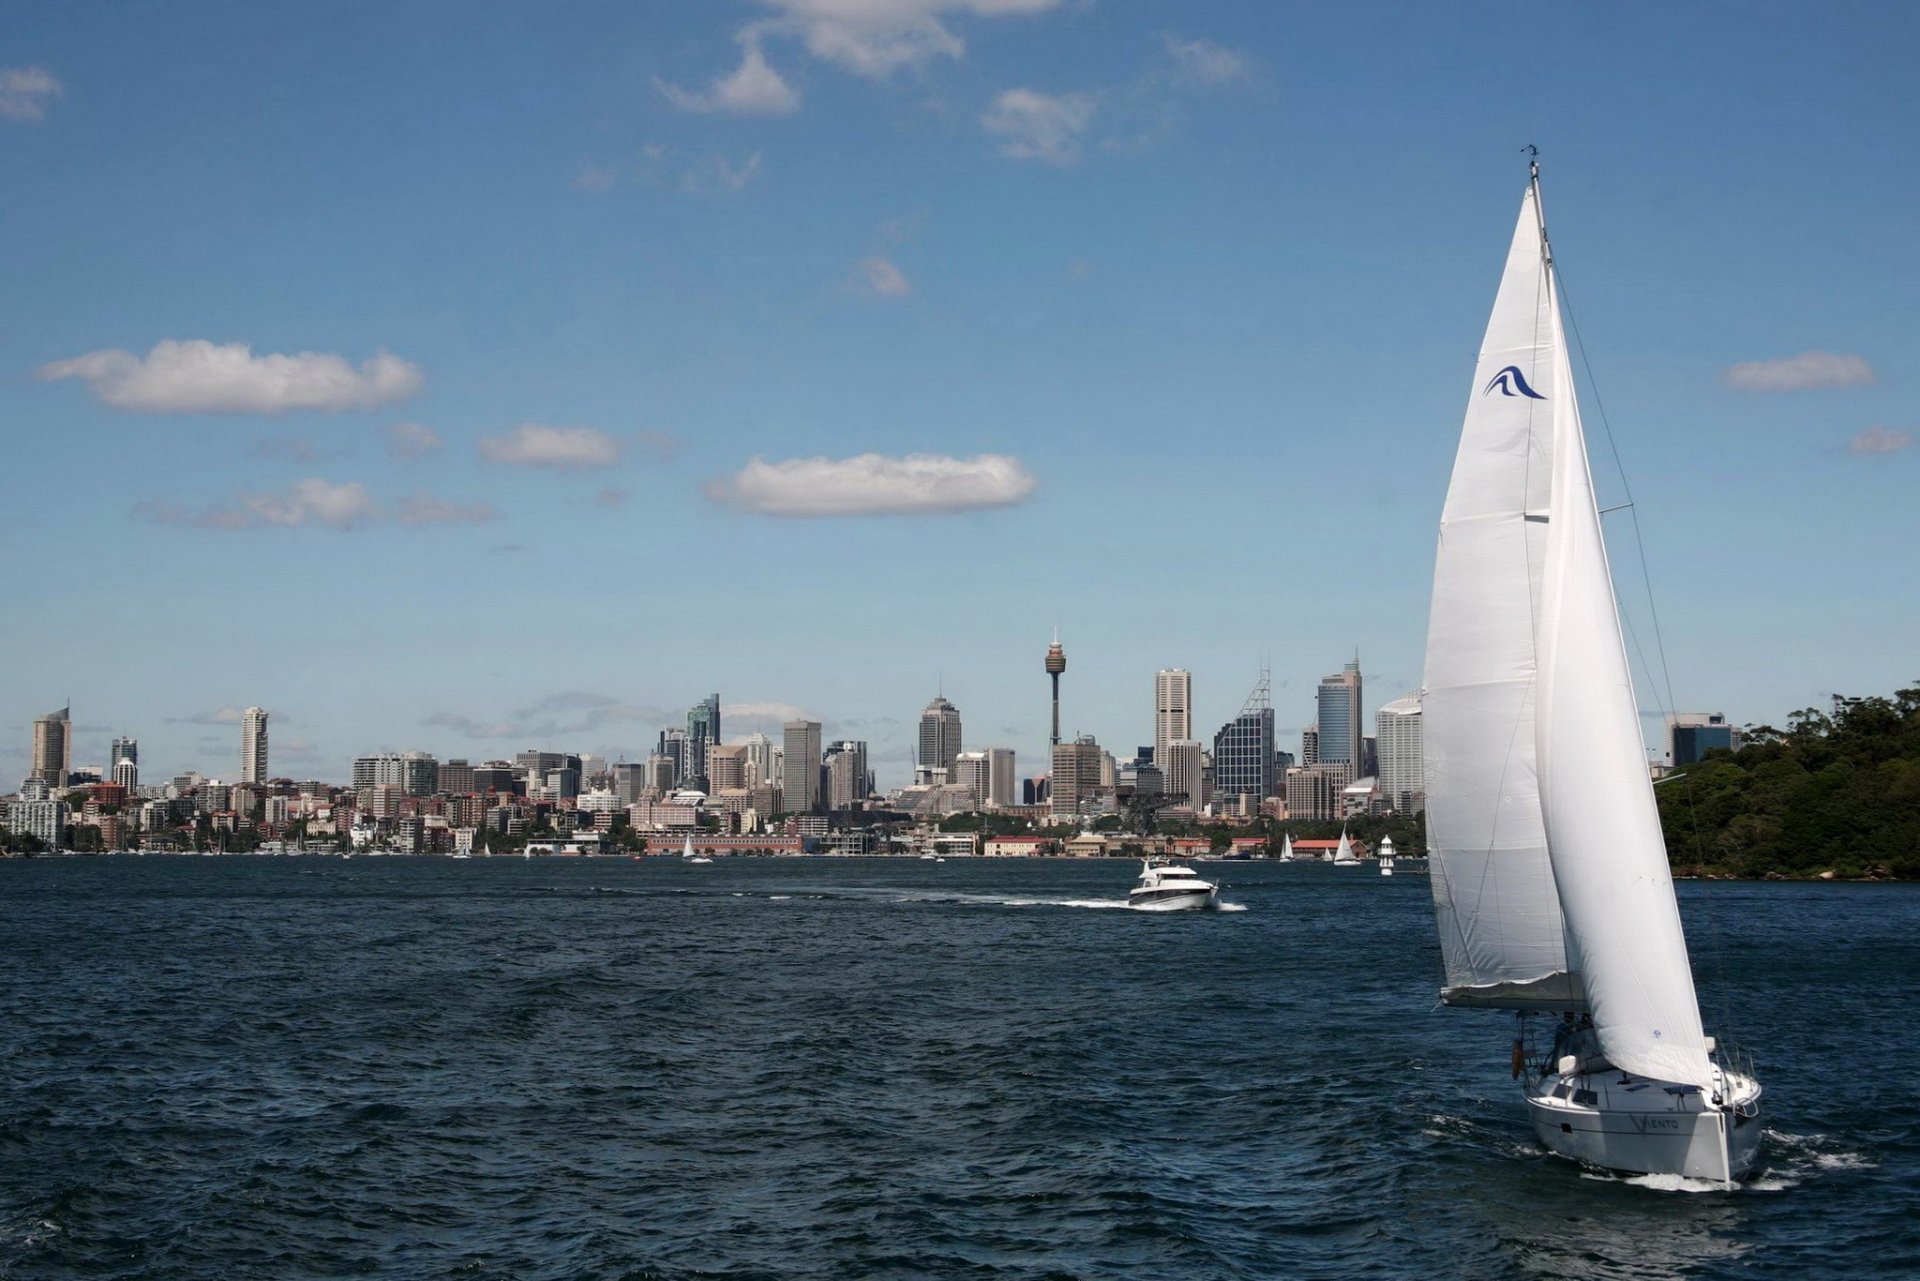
[1183,764]
[1076,776]
[1313,793]
[1056,664]
[123,763]
[846,770]
[1243,749]
[494,776]
[939,735]
[1397,734]
[1309,747]
[800,774]
[703,732]
[1340,724]
[678,748]
[413,773]
[53,748]
[662,773]
[1172,708]
[970,772]
[763,764]
[989,774]
[726,768]
[253,745]
[456,778]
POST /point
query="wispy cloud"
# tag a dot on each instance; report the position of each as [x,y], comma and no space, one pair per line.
[717,175]
[1808,371]
[753,89]
[876,38]
[411,440]
[1880,440]
[875,485]
[664,169]
[27,92]
[1201,61]
[197,376]
[314,502]
[1038,126]
[569,712]
[878,276]
[292,447]
[611,496]
[219,716]
[537,445]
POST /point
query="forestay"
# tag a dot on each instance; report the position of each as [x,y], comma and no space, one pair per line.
[1493,885]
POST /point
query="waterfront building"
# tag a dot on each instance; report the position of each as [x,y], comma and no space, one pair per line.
[41,817]
[939,736]
[1172,708]
[253,745]
[1691,735]
[1339,719]
[52,758]
[846,771]
[1076,776]
[1182,762]
[1397,733]
[1243,755]
[456,777]
[800,775]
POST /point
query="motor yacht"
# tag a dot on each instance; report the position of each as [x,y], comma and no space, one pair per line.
[1168,887]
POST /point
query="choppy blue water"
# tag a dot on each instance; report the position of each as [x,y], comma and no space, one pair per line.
[835,1069]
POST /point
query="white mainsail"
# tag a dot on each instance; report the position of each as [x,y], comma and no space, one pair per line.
[1493,884]
[1603,829]
[1287,853]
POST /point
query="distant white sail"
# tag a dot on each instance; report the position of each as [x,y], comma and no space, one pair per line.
[1609,856]
[1493,885]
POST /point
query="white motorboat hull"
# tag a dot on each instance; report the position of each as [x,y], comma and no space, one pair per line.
[1635,1126]
[1172,900]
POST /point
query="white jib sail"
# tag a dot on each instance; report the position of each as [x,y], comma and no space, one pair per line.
[1493,888]
[1609,857]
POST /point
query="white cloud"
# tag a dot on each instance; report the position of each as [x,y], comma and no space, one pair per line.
[1811,369]
[877,275]
[876,38]
[219,716]
[411,440]
[596,178]
[662,168]
[875,485]
[1880,440]
[718,175]
[25,92]
[754,89]
[197,376]
[315,502]
[1039,126]
[770,711]
[534,445]
[1201,61]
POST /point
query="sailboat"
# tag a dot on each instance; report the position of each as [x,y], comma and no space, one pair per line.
[1286,853]
[1551,885]
[1343,856]
[686,852]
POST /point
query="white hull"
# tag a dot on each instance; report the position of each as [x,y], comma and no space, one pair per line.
[1635,1126]
[1177,901]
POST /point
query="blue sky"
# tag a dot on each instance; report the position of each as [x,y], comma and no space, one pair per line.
[402,368]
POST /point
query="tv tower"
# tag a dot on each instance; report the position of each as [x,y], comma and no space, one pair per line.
[1056,663]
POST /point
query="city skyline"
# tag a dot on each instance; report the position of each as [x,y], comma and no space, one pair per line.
[413,352]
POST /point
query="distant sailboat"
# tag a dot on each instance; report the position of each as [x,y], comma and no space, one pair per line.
[687,853]
[1344,856]
[1550,877]
[1286,851]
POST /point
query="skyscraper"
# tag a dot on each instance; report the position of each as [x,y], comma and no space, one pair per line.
[53,748]
[703,731]
[1076,776]
[939,736]
[846,774]
[1341,727]
[253,746]
[1243,755]
[763,756]
[123,763]
[1397,731]
[800,772]
[1183,765]
[1172,708]
[1056,664]
[726,768]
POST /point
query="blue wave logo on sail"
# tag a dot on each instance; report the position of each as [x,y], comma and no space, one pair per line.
[1511,382]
